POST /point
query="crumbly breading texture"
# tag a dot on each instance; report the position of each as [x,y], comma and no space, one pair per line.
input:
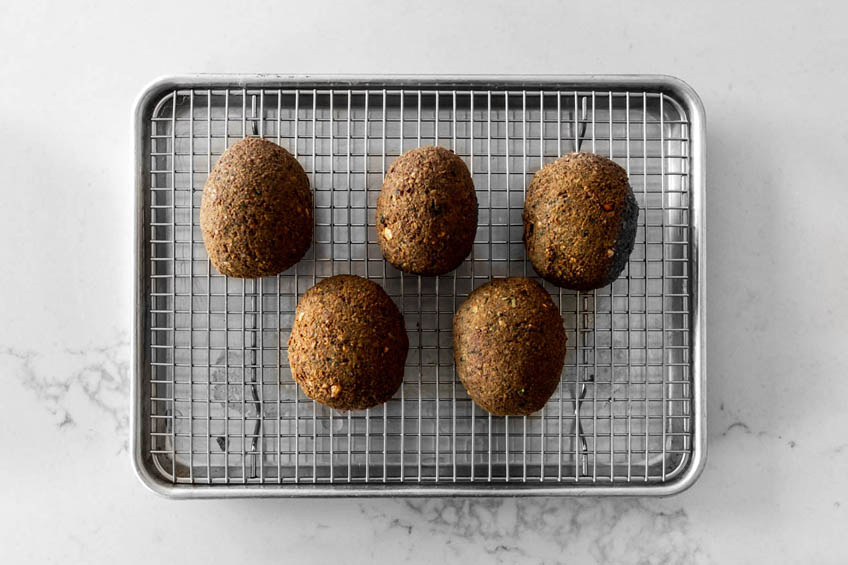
[509,346]
[348,343]
[427,212]
[580,220]
[256,211]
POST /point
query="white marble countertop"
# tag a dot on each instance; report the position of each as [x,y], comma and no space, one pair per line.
[771,75]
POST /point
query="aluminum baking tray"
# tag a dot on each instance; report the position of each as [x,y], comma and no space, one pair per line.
[215,410]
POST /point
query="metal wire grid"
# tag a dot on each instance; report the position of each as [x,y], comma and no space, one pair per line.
[223,408]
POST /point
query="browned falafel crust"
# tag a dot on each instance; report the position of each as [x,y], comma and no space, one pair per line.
[509,346]
[580,220]
[348,343]
[427,212]
[256,211]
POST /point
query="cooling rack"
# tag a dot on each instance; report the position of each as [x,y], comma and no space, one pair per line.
[215,410]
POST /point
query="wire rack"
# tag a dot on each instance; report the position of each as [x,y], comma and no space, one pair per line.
[217,403]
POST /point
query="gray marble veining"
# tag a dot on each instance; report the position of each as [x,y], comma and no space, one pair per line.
[99,374]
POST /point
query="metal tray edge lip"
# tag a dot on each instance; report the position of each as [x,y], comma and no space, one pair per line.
[416,490]
[141,104]
[238,80]
[697,119]
[698,138]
